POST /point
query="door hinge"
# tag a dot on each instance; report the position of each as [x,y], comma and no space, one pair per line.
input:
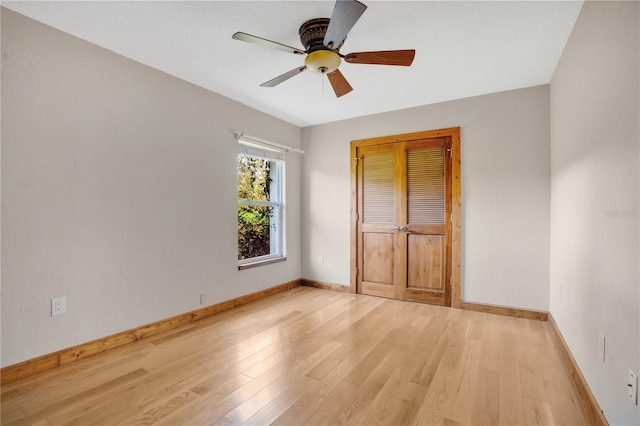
[451,218]
[357,161]
[357,216]
[450,153]
[356,271]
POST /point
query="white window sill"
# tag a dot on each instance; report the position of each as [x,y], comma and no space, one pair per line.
[260,262]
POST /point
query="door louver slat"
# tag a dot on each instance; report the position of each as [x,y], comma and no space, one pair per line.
[378,185]
[426,185]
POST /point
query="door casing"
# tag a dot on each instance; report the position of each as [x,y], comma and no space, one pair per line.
[456,207]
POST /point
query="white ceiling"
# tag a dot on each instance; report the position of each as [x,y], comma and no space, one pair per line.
[462,48]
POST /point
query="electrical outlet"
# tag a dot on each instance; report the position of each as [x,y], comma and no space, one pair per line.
[203,299]
[58,306]
[321,259]
[632,384]
[601,346]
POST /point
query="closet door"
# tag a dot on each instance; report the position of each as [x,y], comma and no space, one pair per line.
[403,226]
[377,239]
[426,241]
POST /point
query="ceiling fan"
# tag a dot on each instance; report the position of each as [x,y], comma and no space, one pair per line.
[322,39]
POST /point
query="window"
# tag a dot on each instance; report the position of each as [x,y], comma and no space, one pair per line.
[260,204]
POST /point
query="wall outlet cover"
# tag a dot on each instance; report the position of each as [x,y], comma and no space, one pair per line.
[58,306]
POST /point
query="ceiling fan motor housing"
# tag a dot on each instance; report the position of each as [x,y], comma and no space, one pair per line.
[320,58]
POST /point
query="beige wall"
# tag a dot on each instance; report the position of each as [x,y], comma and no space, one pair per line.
[118,192]
[505,192]
[595,283]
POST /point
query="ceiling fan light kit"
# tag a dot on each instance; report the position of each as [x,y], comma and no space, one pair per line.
[322,61]
[322,39]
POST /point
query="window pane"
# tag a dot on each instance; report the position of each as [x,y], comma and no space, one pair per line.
[254,178]
[254,231]
[260,230]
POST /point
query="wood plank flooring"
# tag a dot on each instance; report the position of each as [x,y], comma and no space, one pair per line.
[314,357]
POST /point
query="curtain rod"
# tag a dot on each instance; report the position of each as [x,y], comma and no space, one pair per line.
[248,138]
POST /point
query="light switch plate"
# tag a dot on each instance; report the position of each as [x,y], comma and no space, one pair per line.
[633,387]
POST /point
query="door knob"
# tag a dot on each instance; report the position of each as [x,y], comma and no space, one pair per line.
[400,228]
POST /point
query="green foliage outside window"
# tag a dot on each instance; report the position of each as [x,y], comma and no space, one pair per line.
[254,182]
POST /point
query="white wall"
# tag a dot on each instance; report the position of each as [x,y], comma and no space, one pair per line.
[118,192]
[505,192]
[595,282]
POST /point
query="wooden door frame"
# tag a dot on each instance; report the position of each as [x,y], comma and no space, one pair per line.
[456,205]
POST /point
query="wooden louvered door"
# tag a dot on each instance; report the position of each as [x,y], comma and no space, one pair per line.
[403,227]
[377,236]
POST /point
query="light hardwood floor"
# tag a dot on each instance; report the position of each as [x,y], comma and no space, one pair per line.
[314,356]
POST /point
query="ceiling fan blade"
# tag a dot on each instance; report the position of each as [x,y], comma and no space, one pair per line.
[382,57]
[266,43]
[340,84]
[345,14]
[284,77]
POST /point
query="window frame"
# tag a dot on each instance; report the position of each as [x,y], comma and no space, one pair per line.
[277,236]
